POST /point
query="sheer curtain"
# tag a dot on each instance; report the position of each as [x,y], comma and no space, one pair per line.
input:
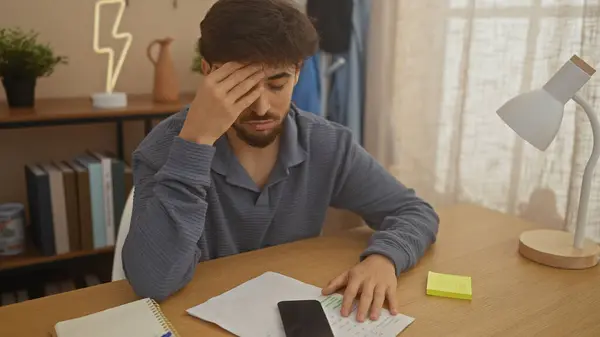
[439,69]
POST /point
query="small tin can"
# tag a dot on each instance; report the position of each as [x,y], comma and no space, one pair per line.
[12,229]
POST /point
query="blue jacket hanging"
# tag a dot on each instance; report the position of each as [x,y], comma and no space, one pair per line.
[307,93]
[347,97]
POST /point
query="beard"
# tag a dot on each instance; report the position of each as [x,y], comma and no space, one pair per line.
[260,139]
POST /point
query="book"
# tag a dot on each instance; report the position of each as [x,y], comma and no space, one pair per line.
[258,299]
[51,288]
[40,209]
[66,285]
[142,317]
[22,295]
[91,280]
[73,223]
[84,205]
[59,208]
[8,298]
[107,193]
[119,195]
[94,168]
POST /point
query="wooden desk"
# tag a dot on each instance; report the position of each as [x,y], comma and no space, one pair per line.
[511,296]
[79,110]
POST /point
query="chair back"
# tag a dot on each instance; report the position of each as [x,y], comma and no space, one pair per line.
[117,270]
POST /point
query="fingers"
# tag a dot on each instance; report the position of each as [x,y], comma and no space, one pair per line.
[391,297]
[336,284]
[223,72]
[244,87]
[349,296]
[379,295]
[238,77]
[244,102]
[366,299]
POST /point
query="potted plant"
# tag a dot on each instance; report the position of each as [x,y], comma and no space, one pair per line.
[197,61]
[22,60]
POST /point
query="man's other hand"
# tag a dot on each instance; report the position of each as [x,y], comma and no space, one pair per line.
[374,279]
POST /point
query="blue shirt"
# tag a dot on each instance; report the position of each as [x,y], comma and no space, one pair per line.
[195,202]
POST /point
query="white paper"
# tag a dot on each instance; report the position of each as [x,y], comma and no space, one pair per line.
[386,325]
[250,310]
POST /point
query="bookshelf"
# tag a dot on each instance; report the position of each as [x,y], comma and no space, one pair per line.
[74,111]
[32,257]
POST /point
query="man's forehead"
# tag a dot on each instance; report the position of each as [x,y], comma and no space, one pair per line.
[271,70]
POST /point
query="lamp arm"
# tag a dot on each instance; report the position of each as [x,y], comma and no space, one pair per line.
[586,185]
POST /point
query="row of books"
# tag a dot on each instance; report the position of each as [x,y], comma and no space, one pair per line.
[77,204]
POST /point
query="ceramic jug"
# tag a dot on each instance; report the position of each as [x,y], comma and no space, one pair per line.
[166,85]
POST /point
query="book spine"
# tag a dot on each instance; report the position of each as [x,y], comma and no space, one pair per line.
[70,186]
[84,206]
[97,202]
[59,211]
[8,298]
[40,211]
[107,188]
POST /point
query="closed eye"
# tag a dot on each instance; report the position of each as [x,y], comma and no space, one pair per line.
[278,81]
[274,87]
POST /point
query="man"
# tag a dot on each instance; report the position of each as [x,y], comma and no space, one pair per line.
[242,169]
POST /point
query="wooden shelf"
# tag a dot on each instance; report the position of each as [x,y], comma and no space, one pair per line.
[32,257]
[80,108]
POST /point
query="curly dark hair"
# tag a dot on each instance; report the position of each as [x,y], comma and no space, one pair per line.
[270,32]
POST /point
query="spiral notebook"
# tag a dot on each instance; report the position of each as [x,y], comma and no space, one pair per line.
[141,318]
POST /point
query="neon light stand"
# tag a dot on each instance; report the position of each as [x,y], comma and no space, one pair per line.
[109,98]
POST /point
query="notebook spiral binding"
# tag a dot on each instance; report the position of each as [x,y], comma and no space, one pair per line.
[162,318]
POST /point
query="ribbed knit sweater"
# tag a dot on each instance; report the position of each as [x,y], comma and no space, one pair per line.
[196,202]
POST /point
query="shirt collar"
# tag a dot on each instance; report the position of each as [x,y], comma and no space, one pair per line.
[291,153]
[291,150]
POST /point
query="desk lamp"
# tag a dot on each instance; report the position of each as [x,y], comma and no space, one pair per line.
[536,116]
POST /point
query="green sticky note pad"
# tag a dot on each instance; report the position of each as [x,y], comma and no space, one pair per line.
[446,285]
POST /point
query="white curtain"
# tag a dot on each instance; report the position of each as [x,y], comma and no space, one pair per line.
[439,69]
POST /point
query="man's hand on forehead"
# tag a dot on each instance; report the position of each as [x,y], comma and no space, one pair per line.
[220,99]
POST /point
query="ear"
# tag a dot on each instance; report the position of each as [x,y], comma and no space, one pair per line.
[297,72]
[205,66]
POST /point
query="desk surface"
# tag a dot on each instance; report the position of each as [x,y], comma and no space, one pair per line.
[51,109]
[511,295]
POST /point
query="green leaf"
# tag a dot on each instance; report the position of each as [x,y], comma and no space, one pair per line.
[197,60]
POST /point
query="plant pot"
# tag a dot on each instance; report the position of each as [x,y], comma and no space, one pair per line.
[20,90]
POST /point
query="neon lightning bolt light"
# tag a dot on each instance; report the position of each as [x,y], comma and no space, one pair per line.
[109,98]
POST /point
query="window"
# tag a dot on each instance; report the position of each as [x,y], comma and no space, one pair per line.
[496,49]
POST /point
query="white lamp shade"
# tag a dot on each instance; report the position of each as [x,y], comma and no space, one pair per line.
[535,116]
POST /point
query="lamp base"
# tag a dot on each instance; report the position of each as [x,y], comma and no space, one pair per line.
[555,248]
[105,100]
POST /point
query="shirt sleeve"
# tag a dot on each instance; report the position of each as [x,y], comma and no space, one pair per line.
[161,250]
[405,225]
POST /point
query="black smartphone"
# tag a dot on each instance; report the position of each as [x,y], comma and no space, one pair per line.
[304,318]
